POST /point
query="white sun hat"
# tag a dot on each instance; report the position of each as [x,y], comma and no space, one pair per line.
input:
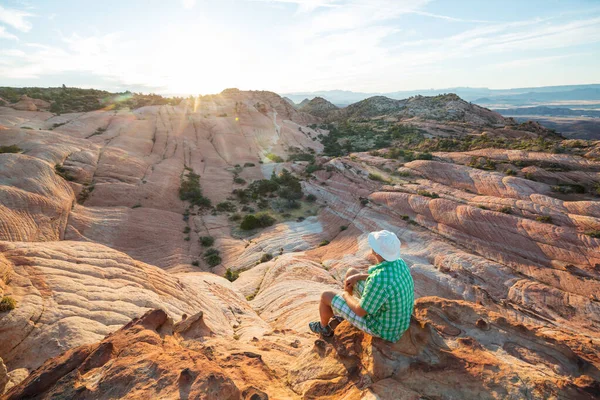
[386,244]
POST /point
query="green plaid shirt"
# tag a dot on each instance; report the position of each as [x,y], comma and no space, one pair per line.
[388,299]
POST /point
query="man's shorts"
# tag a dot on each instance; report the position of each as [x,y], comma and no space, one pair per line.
[341,308]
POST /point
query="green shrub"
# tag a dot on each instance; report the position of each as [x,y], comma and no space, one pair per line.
[529,175]
[239,181]
[212,257]
[310,168]
[186,229]
[482,207]
[249,164]
[206,241]
[191,191]
[187,238]
[324,243]
[195,263]
[137,205]
[595,234]
[231,275]
[63,173]
[10,149]
[544,218]
[7,304]
[427,193]
[506,210]
[568,188]
[235,217]
[510,172]
[311,197]
[266,257]
[302,157]
[405,217]
[260,220]
[424,156]
[343,228]
[226,206]
[274,158]
[377,177]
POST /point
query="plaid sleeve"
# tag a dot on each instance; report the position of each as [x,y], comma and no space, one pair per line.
[374,296]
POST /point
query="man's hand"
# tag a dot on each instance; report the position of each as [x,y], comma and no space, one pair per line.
[351,281]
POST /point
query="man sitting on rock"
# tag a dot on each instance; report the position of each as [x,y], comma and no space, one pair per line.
[379,303]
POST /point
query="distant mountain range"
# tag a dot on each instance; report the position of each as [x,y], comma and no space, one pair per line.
[499,98]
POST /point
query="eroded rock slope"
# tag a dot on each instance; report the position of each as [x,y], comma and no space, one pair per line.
[93,234]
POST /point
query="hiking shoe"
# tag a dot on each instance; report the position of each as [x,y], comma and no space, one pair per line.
[316,327]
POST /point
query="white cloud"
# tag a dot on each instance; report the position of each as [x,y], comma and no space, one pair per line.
[6,35]
[305,5]
[188,4]
[15,18]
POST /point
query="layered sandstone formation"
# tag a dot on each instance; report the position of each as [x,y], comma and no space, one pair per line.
[93,235]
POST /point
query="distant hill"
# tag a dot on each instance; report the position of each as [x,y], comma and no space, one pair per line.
[318,107]
[517,96]
[442,108]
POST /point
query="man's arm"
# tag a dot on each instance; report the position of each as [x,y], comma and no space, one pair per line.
[353,304]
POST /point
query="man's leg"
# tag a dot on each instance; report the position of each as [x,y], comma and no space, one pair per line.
[325,307]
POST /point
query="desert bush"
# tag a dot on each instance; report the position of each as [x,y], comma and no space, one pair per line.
[343,228]
[424,156]
[260,220]
[274,157]
[239,181]
[10,149]
[226,206]
[595,234]
[63,173]
[231,275]
[191,191]
[212,257]
[206,241]
[506,210]
[266,257]
[427,193]
[544,218]
[249,164]
[186,229]
[311,197]
[7,304]
[510,172]
[377,177]
[137,205]
[568,188]
[302,157]
[310,168]
[195,263]
[324,243]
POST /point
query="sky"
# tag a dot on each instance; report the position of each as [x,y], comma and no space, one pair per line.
[181,47]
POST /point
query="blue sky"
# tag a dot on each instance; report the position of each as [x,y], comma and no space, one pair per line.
[204,46]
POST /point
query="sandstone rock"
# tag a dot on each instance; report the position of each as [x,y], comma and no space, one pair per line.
[3,377]
[26,103]
[134,362]
[34,201]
